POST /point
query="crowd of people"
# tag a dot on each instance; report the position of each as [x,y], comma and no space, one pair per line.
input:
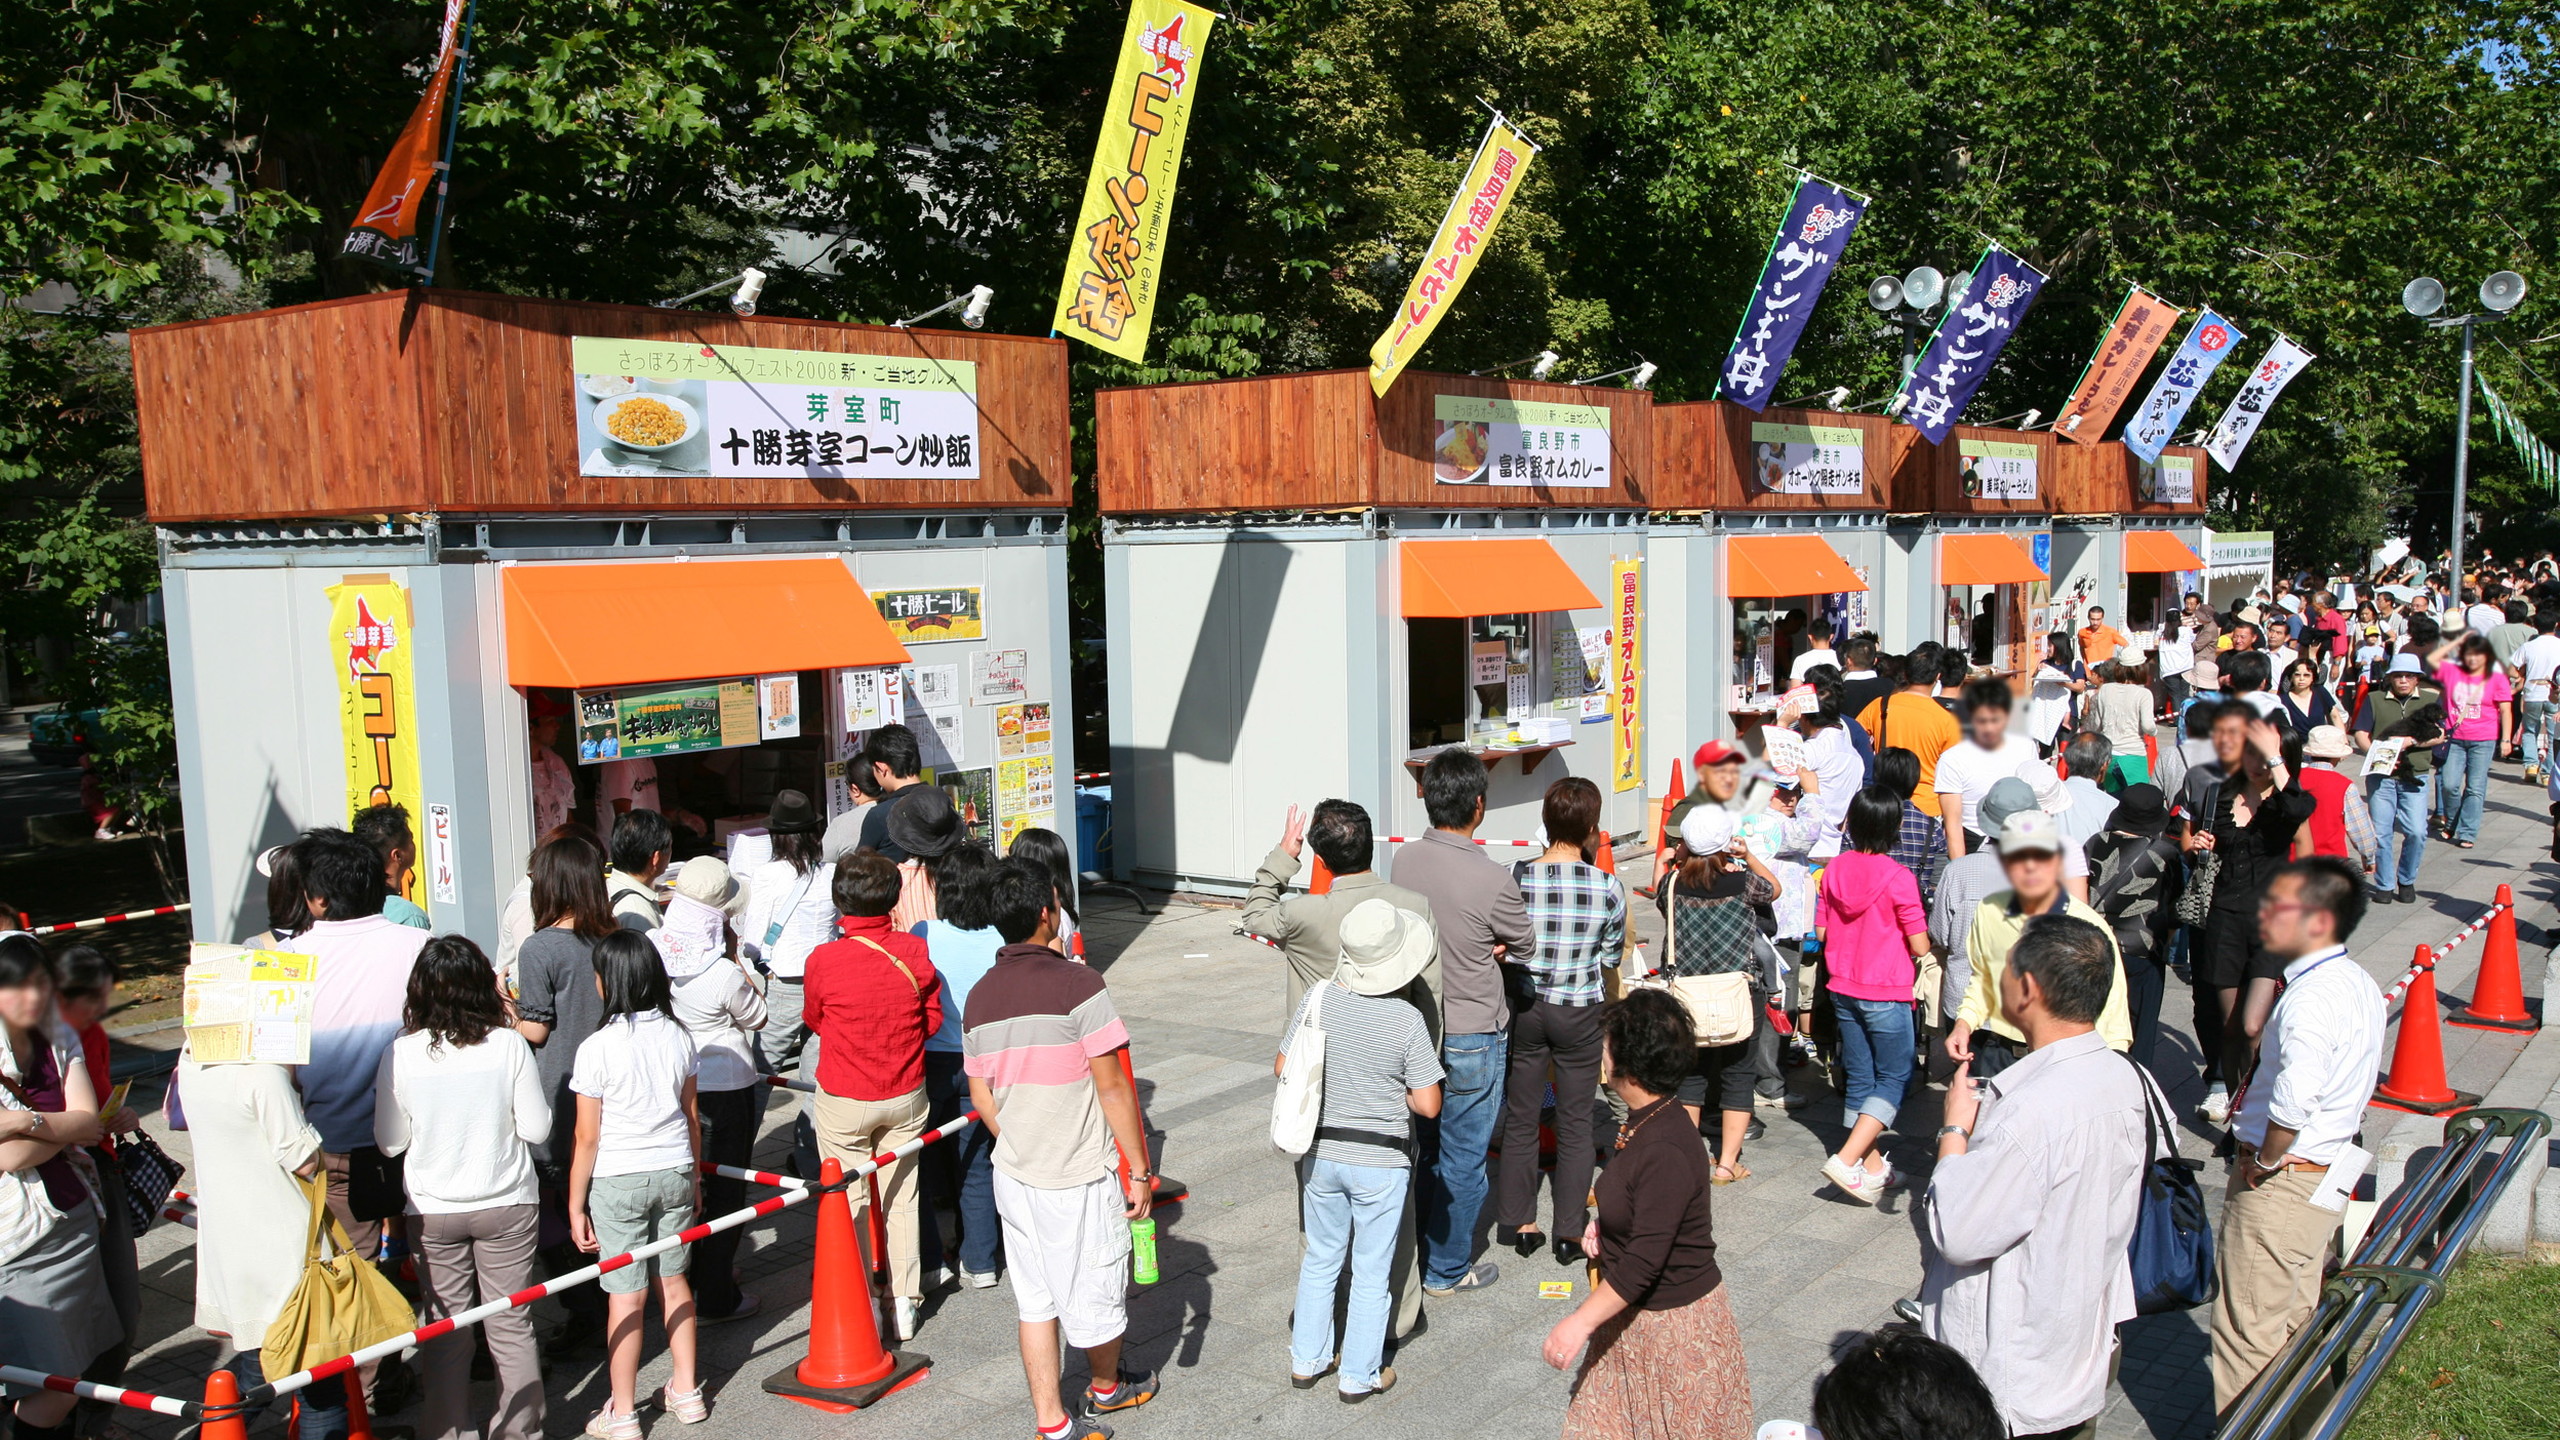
[1930,896]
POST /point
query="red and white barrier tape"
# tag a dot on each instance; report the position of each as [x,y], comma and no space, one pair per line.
[107,1394]
[2478,923]
[109,919]
[471,1317]
[785,1082]
[755,1177]
[2400,987]
[1410,839]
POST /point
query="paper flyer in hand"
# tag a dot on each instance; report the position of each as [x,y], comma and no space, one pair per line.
[246,1005]
[2384,757]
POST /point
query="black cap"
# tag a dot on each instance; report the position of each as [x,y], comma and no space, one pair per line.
[2140,810]
[792,814]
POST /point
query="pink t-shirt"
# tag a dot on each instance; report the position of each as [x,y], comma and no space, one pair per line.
[1867,908]
[2471,701]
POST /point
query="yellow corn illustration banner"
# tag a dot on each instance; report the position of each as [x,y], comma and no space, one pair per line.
[1115,259]
[373,647]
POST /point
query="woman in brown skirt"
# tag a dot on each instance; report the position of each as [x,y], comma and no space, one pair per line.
[1665,1359]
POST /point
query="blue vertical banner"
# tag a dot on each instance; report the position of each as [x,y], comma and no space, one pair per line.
[1802,255]
[2207,344]
[1968,341]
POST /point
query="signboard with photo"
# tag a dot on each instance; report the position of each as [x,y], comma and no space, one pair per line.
[1479,440]
[953,612]
[1998,469]
[1807,460]
[643,720]
[2171,482]
[655,407]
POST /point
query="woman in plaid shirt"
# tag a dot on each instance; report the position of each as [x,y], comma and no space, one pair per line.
[1580,911]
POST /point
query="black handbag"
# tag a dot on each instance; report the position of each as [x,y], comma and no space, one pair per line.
[377,1184]
[2172,1251]
[150,1176]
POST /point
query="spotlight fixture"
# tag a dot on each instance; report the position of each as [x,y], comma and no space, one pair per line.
[749,285]
[973,303]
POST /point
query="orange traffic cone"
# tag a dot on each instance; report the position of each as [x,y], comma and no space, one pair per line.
[223,1418]
[846,1368]
[1608,861]
[2416,1082]
[1166,1191]
[2497,996]
[1662,824]
[1321,882]
[359,1417]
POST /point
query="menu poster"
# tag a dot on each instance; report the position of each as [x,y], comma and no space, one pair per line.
[643,720]
[872,698]
[996,676]
[243,1005]
[778,705]
[1596,644]
[1026,796]
[1022,730]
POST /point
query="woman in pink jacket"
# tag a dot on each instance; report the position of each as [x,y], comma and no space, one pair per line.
[1869,919]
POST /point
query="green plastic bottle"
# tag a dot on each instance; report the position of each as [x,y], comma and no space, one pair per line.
[1142,1245]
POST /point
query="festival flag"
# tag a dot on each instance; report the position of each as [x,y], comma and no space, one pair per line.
[390,228]
[1502,160]
[2239,422]
[1979,321]
[2207,344]
[2123,353]
[1108,299]
[1802,256]
[2540,461]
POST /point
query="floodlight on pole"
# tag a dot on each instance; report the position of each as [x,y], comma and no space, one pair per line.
[1642,372]
[2500,294]
[973,303]
[749,285]
[1541,365]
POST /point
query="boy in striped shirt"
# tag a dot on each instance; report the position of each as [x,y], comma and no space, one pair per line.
[1042,1044]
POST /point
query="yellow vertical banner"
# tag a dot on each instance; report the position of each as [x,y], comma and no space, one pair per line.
[1626,601]
[372,648]
[1115,256]
[1502,161]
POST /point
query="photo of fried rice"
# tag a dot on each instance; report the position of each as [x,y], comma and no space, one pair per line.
[645,421]
[1460,452]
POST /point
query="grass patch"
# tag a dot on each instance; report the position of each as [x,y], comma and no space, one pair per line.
[2484,1364]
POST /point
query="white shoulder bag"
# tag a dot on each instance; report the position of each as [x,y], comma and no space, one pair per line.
[1299,1103]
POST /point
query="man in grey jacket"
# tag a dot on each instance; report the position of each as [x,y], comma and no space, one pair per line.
[1308,930]
[1481,919]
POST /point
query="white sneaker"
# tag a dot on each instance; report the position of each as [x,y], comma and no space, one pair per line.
[2216,1108]
[1853,1180]
[986,1281]
[907,1309]
[936,1278]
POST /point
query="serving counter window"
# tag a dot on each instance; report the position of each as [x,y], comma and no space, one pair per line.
[709,755]
[1494,660]
[1995,600]
[1779,587]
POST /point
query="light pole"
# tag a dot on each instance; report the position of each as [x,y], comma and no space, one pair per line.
[1905,305]
[2423,297]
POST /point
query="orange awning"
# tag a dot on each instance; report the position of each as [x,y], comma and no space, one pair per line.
[1985,560]
[2153,551]
[1768,566]
[1457,578]
[583,626]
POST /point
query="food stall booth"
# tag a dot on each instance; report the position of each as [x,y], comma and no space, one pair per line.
[1769,522]
[409,540]
[2127,535]
[1309,590]
[1972,533]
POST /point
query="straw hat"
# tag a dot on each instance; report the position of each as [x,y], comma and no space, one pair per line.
[1383,948]
[2326,742]
[706,878]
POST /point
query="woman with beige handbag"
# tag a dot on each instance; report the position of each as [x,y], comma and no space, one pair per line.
[1711,965]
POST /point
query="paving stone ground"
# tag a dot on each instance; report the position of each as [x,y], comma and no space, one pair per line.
[1806,1268]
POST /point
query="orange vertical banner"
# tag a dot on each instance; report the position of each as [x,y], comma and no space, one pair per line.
[389,228]
[2141,323]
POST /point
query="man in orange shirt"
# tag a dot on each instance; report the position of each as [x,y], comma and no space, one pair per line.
[2099,641]
[1909,719]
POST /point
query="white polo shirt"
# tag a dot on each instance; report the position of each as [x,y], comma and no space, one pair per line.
[2318,1059]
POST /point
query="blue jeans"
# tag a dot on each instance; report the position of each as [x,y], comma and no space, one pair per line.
[1350,1210]
[1470,1101]
[1875,1050]
[324,1402]
[2399,829]
[2535,720]
[967,1165]
[2464,787]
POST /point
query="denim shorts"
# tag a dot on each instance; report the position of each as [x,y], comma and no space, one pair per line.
[628,1212]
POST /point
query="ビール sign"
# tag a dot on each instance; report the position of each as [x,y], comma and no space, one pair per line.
[953,612]
[651,407]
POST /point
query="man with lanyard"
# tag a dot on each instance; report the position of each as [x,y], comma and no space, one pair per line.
[2296,1121]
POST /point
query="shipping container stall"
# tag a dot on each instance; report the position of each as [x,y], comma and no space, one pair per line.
[1787,532]
[1982,557]
[2133,533]
[1310,590]
[506,561]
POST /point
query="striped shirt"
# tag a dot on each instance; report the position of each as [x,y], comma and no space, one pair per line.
[1031,1029]
[1580,912]
[1375,1049]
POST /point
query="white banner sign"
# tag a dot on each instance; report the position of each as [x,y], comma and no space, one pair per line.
[1478,440]
[649,407]
[1998,469]
[2232,433]
[1808,459]
[2171,482]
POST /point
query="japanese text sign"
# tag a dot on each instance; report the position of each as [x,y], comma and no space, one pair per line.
[1480,440]
[1626,732]
[650,407]
[374,650]
[2239,423]
[1998,469]
[1806,460]
[391,228]
[1802,256]
[1501,163]
[1115,254]
[2171,482]
[2123,353]
[2204,348]
[1979,321]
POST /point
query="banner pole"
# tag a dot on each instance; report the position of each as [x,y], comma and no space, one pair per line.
[452,132]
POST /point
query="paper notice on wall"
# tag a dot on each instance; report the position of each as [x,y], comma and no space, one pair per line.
[934,687]
[443,880]
[996,676]
[941,736]
[1515,692]
[244,1005]
[1595,641]
[1492,661]
[1022,730]
[872,698]
[1026,796]
[1764,664]
[778,706]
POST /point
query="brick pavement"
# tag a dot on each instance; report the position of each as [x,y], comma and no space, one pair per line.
[1806,1269]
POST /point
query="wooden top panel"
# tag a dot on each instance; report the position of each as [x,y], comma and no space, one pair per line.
[1709,459]
[1930,478]
[449,401]
[1320,440]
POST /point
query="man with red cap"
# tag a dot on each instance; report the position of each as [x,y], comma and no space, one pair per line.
[1718,768]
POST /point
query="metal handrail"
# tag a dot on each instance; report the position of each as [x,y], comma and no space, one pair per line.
[2444,1207]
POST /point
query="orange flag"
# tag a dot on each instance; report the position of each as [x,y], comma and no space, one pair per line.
[2142,322]
[389,228]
